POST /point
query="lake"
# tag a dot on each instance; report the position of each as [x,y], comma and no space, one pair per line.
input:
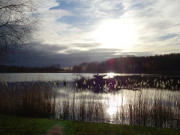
[22,77]
[150,106]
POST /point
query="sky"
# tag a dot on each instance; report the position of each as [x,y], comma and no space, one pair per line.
[70,32]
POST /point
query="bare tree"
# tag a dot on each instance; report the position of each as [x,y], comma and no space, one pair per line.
[16,21]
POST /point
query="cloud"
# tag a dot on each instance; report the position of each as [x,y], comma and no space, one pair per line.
[35,55]
[68,22]
[66,30]
[74,21]
[156,23]
[167,37]
[49,30]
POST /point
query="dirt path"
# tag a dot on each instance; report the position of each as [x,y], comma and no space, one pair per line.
[56,130]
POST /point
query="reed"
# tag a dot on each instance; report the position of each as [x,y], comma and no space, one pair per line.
[156,113]
[98,83]
[33,100]
[140,111]
[37,100]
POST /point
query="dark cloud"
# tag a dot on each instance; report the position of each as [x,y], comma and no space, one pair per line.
[45,55]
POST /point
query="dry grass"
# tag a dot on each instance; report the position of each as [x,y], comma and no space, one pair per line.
[139,111]
[34,100]
[37,100]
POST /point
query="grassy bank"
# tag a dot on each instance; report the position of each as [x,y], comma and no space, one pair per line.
[10,125]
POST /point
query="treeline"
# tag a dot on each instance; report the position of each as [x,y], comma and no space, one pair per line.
[169,63]
[162,64]
[18,69]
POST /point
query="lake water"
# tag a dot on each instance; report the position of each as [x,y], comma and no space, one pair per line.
[27,77]
[143,106]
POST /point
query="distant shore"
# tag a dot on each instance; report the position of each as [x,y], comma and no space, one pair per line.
[167,64]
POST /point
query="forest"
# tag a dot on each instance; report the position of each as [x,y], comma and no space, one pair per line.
[160,64]
[168,63]
[21,69]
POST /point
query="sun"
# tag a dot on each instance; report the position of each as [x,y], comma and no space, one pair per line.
[116,34]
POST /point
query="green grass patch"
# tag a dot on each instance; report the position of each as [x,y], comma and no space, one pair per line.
[87,128]
[11,125]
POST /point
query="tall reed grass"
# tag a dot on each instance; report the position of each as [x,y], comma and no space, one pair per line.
[33,100]
[41,100]
[140,110]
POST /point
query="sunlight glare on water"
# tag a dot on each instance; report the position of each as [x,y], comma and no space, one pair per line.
[110,75]
[114,103]
[111,110]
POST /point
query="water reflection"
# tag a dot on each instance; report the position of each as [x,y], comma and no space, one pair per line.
[148,106]
[29,77]
[113,102]
[110,75]
[122,107]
